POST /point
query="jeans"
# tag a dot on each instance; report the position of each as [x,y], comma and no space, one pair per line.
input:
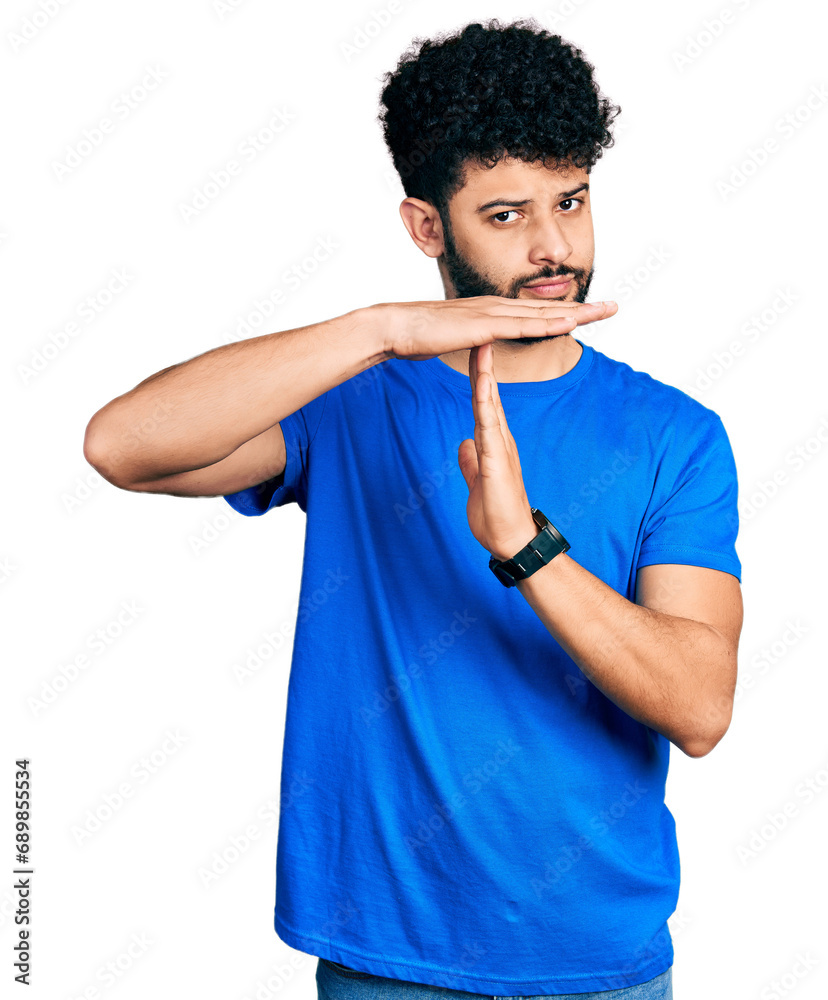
[338,982]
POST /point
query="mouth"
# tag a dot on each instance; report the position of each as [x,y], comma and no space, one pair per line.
[550,288]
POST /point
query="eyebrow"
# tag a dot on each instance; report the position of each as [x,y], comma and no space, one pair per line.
[528,201]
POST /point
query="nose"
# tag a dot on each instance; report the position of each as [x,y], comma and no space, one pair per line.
[549,243]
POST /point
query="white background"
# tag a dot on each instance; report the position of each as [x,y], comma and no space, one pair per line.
[209,583]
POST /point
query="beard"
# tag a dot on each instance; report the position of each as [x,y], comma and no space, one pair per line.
[468,281]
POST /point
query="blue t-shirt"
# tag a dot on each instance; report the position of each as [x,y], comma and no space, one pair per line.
[461,806]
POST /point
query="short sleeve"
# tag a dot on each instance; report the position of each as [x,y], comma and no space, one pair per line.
[299,429]
[693,518]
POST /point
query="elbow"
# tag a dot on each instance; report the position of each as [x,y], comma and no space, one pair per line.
[709,731]
[97,454]
[713,718]
[93,448]
[698,748]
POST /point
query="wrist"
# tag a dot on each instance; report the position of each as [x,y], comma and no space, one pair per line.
[379,322]
[505,550]
[541,548]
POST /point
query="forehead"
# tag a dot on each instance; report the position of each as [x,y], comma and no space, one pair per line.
[514,179]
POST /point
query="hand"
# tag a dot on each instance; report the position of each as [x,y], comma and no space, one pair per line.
[419,330]
[498,510]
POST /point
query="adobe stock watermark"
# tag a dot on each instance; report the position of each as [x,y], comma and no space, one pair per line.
[633,281]
[750,331]
[7,569]
[366,32]
[569,855]
[212,528]
[650,950]
[803,965]
[364,380]
[112,972]
[787,126]
[756,498]
[595,488]
[34,22]
[473,781]
[607,648]
[82,489]
[226,7]
[555,17]
[776,821]
[90,308]
[770,656]
[139,774]
[434,480]
[429,652]
[240,843]
[98,642]
[278,976]
[246,152]
[119,110]
[129,440]
[605,651]
[250,322]
[711,30]
[256,657]
[759,666]
[456,976]
[215,527]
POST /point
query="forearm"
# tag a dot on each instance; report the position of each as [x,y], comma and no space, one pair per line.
[663,670]
[216,401]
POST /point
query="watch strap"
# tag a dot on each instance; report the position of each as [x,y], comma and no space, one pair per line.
[547,544]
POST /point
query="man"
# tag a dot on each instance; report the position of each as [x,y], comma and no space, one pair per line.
[473,777]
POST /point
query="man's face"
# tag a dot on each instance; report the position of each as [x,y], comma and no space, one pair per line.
[514,224]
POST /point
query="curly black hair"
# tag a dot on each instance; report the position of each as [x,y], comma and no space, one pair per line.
[488,91]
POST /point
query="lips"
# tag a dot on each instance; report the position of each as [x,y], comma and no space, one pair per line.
[550,288]
[548,281]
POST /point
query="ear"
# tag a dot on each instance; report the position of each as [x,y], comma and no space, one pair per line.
[422,220]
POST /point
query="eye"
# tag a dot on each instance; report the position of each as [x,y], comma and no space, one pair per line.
[509,211]
[579,201]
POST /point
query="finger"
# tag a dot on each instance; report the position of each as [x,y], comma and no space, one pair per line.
[474,376]
[592,311]
[485,364]
[489,394]
[504,423]
[491,448]
[512,327]
[499,304]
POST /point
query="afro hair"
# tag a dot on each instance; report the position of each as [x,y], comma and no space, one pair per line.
[485,92]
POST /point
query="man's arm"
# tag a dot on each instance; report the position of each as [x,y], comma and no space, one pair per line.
[668,660]
[209,425]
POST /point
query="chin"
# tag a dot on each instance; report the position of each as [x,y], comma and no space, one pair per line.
[534,340]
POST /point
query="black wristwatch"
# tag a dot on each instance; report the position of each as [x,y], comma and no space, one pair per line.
[547,544]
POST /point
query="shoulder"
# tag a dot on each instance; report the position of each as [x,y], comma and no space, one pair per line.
[660,403]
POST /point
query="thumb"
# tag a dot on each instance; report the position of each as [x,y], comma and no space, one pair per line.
[467,459]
